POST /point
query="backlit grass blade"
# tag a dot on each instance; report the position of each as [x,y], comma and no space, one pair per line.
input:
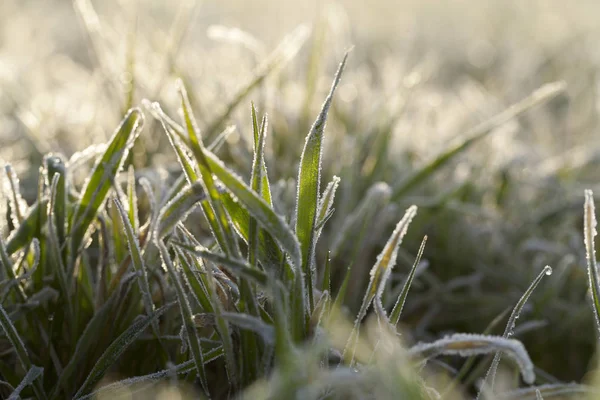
[258,208]
[186,315]
[397,310]
[137,261]
[541,95]
[222,225]
[256,182]
[17,343]
[105,171]
[33,373]
[326,203]
[116,348]
[309,182]
[488,382]
[589,234]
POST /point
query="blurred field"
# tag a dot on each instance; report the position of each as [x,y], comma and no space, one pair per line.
[420,75]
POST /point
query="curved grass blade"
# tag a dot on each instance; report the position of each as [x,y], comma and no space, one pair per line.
[397,310]
[467,345]
[22,355]
[508,331]
[104,172]
[116,348]
[251,323]
[258,208]
[541,95]
[33,373]
[186,315]
[309,182]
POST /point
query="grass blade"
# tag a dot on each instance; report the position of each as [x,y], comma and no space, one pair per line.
[103,174]
[33,373]
[397,310]
[467,345]
[179,208]
[309,181]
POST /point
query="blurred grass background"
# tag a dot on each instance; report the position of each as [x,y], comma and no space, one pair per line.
[420,75]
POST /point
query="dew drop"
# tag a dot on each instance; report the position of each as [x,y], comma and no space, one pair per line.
[548,270]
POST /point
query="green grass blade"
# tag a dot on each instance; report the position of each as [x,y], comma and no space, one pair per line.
[256,181]
[309,181]
[132,201]
[116,348]
[33,373]
[186,315]
[397,310]
[258,208]
[541,95]
[221,224]
[20,350]
[104,172]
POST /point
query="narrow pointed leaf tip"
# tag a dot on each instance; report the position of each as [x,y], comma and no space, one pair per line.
[309,181]
[385,262]
[589,235]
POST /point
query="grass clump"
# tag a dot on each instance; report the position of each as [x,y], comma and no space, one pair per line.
[90,286]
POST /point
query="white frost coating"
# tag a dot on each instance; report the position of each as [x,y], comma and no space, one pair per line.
[467,345]
[391,249]
[589,233]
